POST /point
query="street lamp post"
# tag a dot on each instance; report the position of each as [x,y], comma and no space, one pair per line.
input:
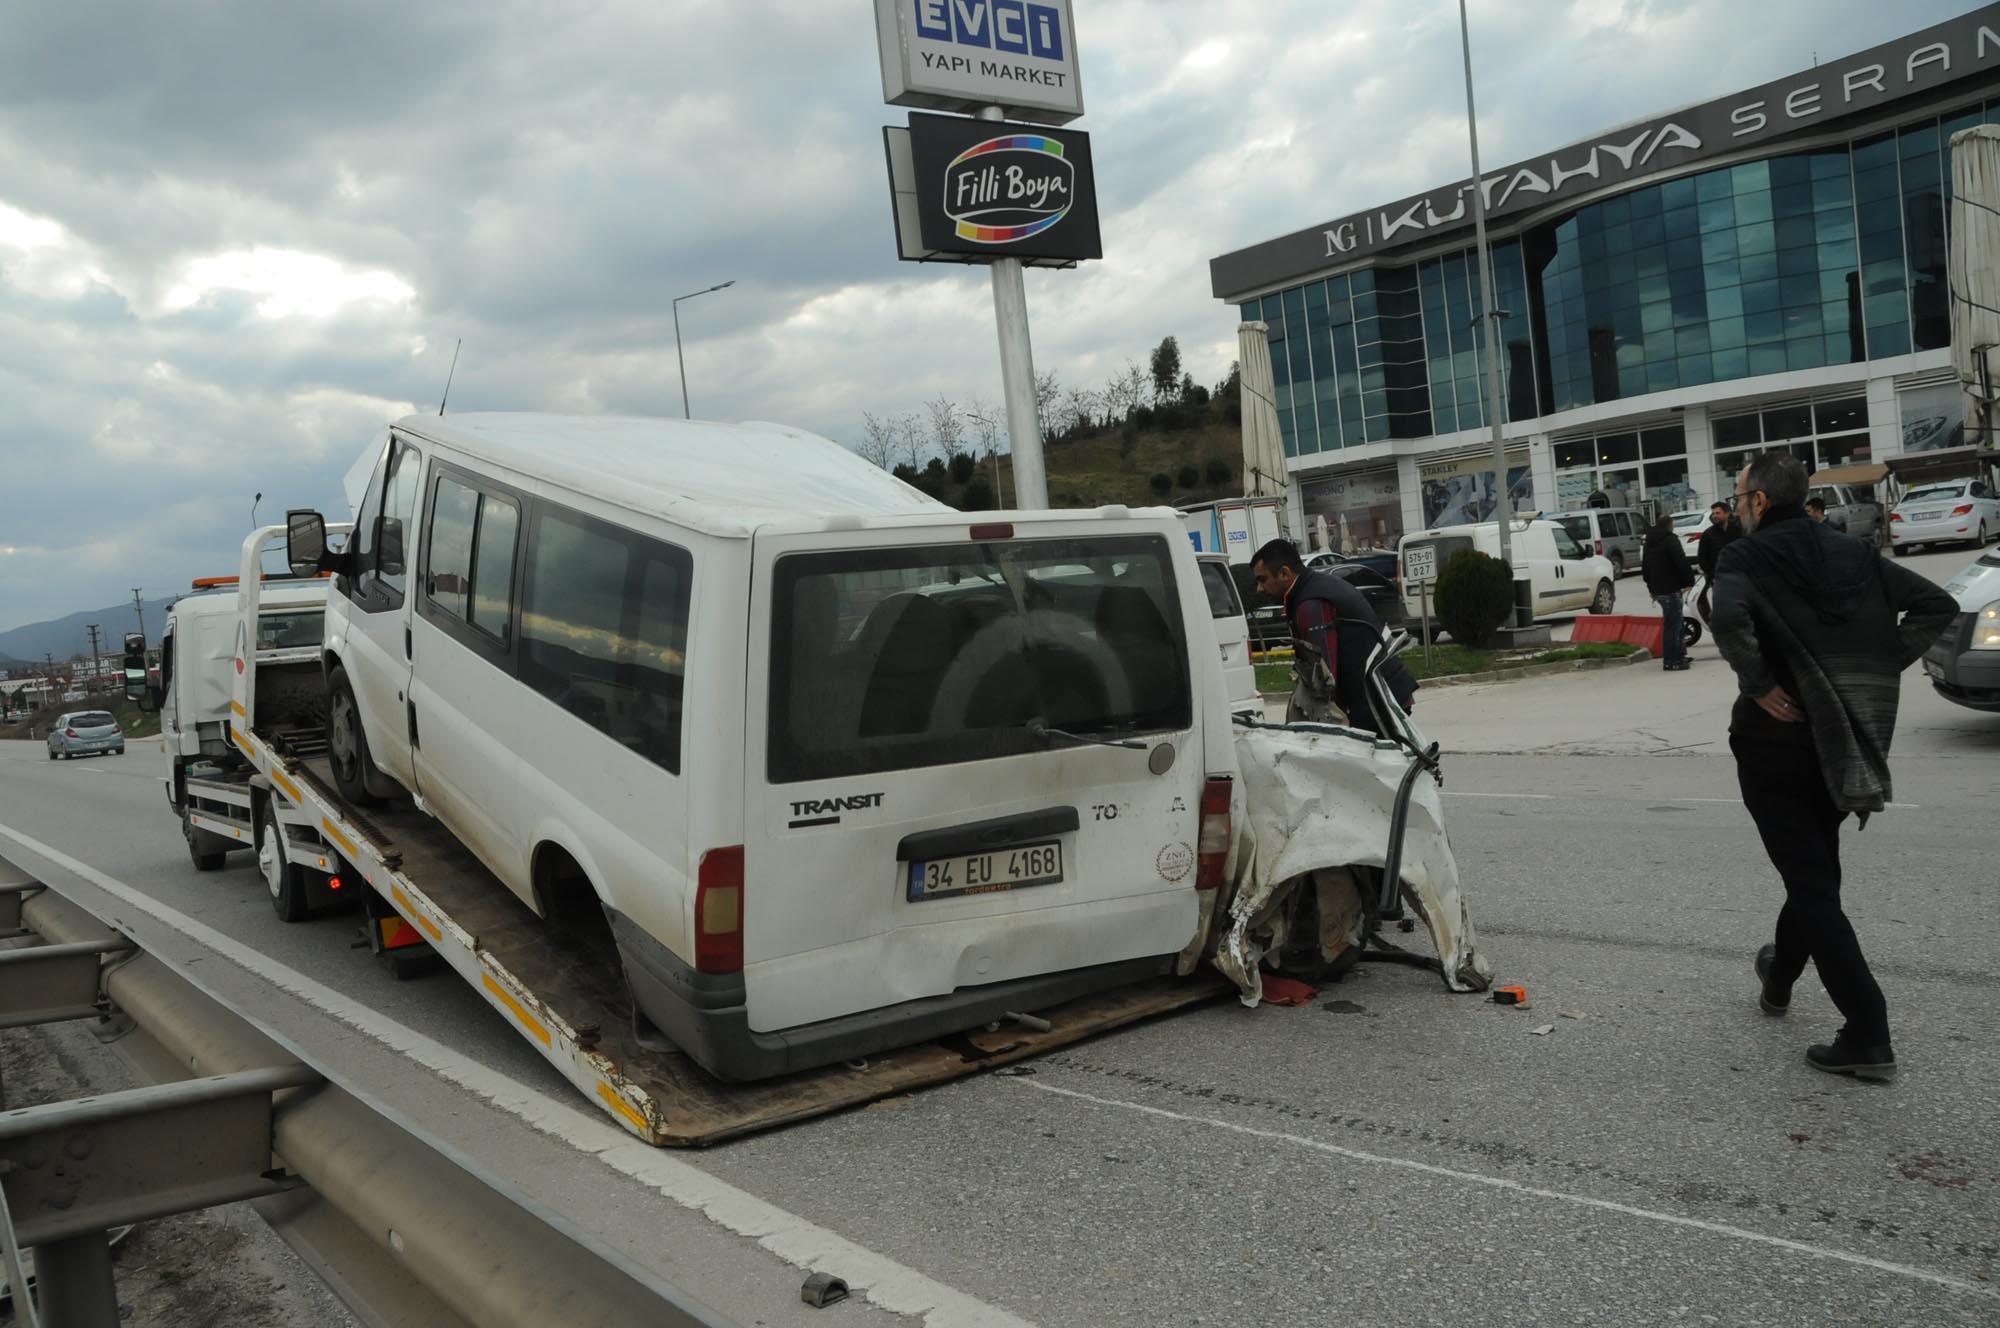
[1503,513]
[720,285]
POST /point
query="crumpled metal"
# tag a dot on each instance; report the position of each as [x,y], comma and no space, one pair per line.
[1313,802]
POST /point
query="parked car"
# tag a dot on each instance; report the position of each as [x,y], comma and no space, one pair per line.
[1849,509]
[1232,630]
[1378,590]
[1268,628]
[1616,533]
[821,752]
[1964,664]
[1688,528]
[1380,561]
[1563,575]
[1949,511]
[86,733]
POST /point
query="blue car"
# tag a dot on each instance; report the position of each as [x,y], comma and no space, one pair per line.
[85,733]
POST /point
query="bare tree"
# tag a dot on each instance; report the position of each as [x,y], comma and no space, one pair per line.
[878,440]
[947,425]
[1124,392]
[1080,406]
[912,442]
[1048,395]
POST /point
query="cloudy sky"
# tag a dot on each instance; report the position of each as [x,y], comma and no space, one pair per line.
[237,237]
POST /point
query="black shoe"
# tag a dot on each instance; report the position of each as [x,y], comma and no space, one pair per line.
[1876,1063]
[1769,1004]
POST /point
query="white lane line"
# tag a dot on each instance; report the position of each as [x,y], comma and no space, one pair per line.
[1463,793]
[1516,1187]
[893,1286]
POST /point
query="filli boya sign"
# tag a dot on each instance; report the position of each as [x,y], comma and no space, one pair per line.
[988,189]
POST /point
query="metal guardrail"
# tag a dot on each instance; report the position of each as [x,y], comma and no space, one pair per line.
[402,1233]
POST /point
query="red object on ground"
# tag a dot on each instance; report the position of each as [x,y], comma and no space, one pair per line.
[1287,991]
[1634,629]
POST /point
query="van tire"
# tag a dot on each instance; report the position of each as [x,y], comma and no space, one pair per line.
[284,879]
[1617,563]
[346,741]
[1605,600]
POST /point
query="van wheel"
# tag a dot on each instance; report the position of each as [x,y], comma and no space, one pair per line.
[205,858]
[1605,599]
[1617,564]
[285,881]
[346,743]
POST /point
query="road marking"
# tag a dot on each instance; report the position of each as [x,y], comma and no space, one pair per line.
[1462,793]
[894,1287]
[1535,1191]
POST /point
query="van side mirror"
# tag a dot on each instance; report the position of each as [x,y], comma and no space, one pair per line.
[305,541]
[135,669]
[389,546]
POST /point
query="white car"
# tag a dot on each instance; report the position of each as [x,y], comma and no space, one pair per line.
[1949,511]
[1964,664]
[1688,529]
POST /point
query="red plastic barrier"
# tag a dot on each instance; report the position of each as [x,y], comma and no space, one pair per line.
[1633,629]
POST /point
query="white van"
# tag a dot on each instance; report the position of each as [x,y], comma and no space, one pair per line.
[1563,575]
[1232,632]
[843,767]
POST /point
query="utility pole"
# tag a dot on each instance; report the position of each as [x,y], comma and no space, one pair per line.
[139,607]
[96,656]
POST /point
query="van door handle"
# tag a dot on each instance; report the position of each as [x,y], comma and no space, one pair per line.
[409,643]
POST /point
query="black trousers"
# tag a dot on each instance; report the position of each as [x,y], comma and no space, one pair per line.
[1786,796]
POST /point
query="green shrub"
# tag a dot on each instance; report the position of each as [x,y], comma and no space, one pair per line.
[1189,477]
[961,467]
[1473,596]
[1217,471]
[1161,482]
[978,496]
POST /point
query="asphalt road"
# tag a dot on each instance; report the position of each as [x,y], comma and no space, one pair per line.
[1389,1153]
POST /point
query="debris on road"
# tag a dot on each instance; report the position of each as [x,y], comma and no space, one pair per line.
[1541,1030]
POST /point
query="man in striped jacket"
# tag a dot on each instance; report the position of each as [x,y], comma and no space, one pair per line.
[1818,628]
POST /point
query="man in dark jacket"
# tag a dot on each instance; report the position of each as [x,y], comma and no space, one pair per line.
[1722,531]
[1332,620]
[1808,617]
[1666,573]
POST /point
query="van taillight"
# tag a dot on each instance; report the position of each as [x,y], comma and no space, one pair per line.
[718,911]
[1600,547]
[1212,846]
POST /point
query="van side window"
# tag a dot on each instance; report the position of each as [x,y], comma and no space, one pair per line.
[469,556]
[1222,600]
[604,619]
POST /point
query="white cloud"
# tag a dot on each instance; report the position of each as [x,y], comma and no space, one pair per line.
[286,282]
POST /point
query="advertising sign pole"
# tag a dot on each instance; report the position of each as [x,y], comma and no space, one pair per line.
[1017,374]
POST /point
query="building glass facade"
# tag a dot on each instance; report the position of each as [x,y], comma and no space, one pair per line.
[1801,260]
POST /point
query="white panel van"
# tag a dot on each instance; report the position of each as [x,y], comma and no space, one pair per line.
[1563,575]
[840,767]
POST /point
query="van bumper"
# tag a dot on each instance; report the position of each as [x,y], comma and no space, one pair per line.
[706,1015]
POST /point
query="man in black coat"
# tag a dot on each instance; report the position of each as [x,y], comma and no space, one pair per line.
[1723,528]
[1332,620]
[1666,573]
[1818,628]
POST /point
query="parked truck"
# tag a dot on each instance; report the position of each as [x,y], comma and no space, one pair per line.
[1234,527]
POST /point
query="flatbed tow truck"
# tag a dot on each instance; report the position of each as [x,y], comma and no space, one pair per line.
[560,987]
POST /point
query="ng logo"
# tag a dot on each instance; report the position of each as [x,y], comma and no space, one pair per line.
[1015,27]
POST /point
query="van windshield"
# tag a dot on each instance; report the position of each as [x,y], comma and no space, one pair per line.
[890,659]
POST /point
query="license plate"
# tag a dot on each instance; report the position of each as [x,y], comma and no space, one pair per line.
[1925,516]
[1420,564]
[984,873]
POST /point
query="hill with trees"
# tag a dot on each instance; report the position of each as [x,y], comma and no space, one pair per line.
[1149,435]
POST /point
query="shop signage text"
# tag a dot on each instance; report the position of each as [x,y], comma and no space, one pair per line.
[993,190]
[959,55]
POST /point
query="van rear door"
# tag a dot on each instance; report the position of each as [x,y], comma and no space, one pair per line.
[929,801]
[1232,632]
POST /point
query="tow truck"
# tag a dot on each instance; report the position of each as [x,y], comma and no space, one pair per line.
[253,773]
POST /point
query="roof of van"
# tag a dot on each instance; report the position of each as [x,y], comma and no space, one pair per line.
[725,479]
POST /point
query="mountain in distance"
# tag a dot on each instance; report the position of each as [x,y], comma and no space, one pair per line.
[70,635]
